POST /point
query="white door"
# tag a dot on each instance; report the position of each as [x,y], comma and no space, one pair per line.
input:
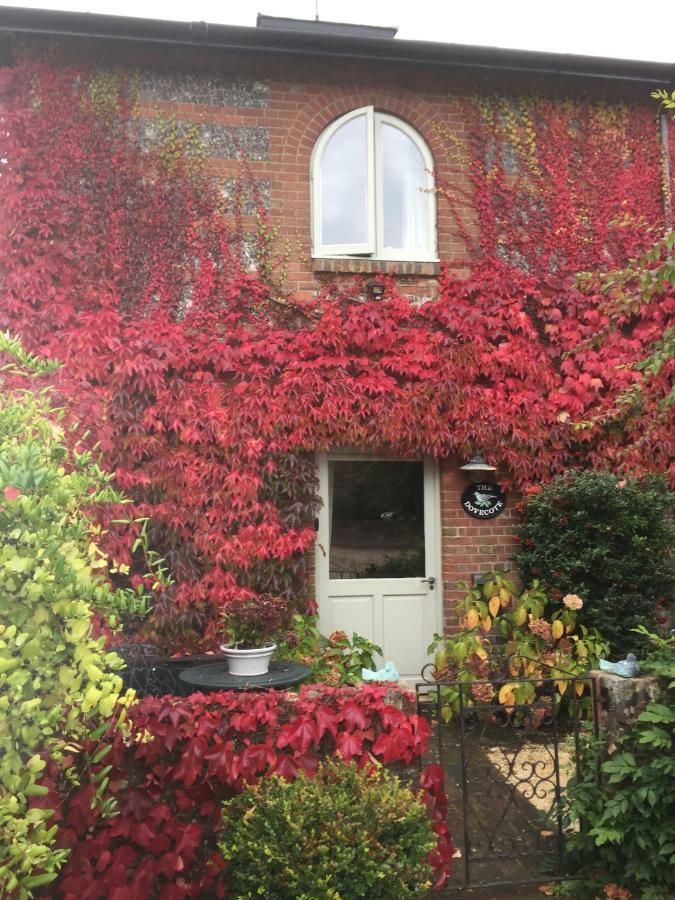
[378,571]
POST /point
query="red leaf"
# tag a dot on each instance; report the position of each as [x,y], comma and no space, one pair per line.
[353,716]
[349,745]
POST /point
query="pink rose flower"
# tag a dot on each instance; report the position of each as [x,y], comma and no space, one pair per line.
[572,601]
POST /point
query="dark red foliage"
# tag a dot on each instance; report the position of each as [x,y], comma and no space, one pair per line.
[184,756]
[209,391]
[254,620]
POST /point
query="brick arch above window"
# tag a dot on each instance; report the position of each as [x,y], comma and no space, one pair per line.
[330,105]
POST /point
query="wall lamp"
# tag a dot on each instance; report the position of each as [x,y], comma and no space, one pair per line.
[477,464]
[375,289]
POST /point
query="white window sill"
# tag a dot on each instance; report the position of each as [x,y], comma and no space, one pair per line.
[366,265]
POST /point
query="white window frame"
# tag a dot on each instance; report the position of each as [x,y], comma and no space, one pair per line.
[373,248]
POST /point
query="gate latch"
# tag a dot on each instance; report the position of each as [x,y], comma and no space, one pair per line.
[431,581]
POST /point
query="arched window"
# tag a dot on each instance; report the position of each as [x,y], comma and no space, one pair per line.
[373,190]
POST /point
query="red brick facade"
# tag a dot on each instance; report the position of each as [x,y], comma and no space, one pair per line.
[301,105]
[280,106]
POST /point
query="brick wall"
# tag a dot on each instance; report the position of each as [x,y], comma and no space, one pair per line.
[274,115]
[272,111]
[470,546]
[275,121]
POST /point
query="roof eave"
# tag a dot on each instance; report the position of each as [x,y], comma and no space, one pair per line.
[91,26]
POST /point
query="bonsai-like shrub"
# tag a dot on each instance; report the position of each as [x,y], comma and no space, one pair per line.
[505,636]
[627,815]
[254,621]
[609,541]
[342,833]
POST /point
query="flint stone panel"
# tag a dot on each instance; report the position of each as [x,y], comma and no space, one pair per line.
[253,196]
[218,141]
[203,88]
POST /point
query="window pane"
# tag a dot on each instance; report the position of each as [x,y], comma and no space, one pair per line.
[405,202]
[377,519]
[344,185]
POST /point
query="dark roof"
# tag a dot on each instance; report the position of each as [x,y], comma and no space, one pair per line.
[307,43]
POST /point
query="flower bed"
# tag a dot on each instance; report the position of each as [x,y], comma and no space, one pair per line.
[181,757]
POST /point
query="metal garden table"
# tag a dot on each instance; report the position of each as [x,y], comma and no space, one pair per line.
[216,677]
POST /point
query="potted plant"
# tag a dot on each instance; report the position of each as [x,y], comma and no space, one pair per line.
[251,624]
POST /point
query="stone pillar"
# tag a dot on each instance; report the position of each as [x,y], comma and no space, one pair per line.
[619,701]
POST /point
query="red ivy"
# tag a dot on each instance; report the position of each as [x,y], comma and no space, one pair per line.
[185,756]
[209,391]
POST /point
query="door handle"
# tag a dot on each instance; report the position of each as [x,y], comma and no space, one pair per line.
[431,581]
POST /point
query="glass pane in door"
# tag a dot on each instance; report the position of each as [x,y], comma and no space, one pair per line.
[376,519]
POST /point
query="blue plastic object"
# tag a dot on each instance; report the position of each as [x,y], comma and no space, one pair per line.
[388,673]
[626,668]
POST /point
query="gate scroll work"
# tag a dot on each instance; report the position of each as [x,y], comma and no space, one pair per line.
[506,767]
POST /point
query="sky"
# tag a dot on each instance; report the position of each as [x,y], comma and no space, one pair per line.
[621,28]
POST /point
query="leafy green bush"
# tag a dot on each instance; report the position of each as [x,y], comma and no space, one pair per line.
[336,659]
[340,834]
[57,684]
[627,816]
[609,541]
[504,635]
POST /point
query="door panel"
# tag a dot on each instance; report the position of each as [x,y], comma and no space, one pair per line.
[377,543]
[352,613]
[404,624]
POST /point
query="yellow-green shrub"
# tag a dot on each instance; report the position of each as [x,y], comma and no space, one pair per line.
[342,833]
[57,683]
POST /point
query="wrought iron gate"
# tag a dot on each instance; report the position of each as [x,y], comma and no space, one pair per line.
[506,766]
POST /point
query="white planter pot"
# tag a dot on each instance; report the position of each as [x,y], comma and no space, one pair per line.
[248,662]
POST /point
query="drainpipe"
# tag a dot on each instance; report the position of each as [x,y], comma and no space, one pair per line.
[667,191]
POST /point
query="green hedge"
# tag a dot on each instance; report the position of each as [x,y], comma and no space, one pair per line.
[622,823]
[607,539]
[341,834]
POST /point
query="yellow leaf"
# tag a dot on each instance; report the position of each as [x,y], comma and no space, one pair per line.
[472,618]
[579,687]
[562,686]
[557,629]
[504,597]
[506,697]
[494,606]
[486,624]
[521,616]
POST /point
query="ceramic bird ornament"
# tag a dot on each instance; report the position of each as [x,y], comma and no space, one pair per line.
[388,673]
[626,668]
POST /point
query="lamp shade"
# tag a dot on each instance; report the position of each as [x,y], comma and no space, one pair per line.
[477,464]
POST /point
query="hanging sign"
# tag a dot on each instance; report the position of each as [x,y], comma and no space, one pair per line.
[484,500]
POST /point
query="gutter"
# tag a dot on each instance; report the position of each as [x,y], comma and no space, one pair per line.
[425,54]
